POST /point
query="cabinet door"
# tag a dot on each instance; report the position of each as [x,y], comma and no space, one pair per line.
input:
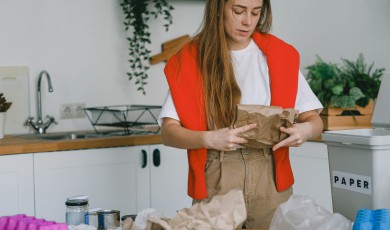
[311,171]
[107,176]
[169,173]
[17,185]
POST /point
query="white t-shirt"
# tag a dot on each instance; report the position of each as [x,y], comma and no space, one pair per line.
[251,71]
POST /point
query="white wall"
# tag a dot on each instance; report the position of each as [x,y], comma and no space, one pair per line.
[82,44]
[336,28]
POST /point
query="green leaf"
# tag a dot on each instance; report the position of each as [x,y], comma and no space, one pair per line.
[337,89]
[363,102]
[355,93]
[343,101]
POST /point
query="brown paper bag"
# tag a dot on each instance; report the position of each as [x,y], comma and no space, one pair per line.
[269,119]
[222,212]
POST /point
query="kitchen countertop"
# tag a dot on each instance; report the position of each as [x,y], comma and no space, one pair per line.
[18,144]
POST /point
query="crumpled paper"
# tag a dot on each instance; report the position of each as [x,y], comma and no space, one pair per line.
[222,212]
[269,119]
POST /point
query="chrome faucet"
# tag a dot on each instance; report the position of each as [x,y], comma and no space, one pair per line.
[40,126]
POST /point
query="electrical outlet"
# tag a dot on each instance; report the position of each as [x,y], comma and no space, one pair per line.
[66,111]
[72,111]
[78,110]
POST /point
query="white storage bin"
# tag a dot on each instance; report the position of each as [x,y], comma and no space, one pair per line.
[359,162]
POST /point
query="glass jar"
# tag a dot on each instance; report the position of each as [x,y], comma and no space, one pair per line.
[76,211]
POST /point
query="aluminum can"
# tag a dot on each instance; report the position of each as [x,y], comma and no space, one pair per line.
[108,219]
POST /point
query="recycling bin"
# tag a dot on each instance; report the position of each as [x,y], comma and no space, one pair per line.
[359,162]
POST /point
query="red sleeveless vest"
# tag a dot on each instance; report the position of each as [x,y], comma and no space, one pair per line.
[186,86]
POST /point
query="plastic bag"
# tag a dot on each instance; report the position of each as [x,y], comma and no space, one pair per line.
[302,213]
[141,221]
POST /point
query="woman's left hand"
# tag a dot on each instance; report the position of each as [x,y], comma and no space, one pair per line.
[298,134]
[310,126]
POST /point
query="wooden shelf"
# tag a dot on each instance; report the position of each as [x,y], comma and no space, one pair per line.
[169,48]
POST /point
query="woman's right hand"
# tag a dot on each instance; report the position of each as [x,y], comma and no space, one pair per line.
[226,139]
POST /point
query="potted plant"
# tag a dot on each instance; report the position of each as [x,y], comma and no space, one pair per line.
[137,14]
[367,79]
[345,91]
[331,86]
[4,106]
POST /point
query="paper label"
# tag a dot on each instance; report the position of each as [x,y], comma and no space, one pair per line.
[352,182]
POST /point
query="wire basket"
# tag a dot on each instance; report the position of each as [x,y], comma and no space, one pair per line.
[131,119]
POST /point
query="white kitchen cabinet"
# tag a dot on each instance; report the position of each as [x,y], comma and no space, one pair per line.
[108,176]
[311,172]
[122,178]
[17,184]
[169,179]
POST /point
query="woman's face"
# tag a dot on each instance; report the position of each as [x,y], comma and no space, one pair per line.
[240,19]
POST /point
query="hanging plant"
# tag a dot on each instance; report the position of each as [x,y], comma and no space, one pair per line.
[4,104]
[137,14]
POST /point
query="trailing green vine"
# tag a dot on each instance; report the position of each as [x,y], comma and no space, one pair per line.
[137,14]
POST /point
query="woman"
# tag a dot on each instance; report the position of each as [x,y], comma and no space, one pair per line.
[233,60]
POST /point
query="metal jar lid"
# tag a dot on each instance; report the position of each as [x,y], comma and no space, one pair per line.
[78,197]
[76,202]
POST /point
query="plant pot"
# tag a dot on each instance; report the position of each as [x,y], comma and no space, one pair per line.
[2,124]
[346,122]
[332,111]
[337,118]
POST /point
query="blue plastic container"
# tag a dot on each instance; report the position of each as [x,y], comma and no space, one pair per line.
[378,219]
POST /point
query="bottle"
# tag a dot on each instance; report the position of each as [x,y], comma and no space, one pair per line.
[76,210]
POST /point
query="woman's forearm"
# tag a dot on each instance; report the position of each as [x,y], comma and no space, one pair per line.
[174,135]
[225,139]
[316,126]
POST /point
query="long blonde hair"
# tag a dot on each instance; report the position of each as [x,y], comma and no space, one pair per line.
[221,91]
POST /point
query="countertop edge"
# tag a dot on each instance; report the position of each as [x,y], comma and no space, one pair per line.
[10,144]
[14,144]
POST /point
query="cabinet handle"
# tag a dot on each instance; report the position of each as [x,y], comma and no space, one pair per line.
[144,158]
[156,157]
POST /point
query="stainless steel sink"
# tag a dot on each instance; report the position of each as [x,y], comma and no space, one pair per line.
[63,136]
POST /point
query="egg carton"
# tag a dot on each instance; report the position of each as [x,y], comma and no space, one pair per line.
[366,219]
[24,222]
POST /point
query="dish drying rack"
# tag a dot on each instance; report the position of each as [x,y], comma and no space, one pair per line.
[131,119]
